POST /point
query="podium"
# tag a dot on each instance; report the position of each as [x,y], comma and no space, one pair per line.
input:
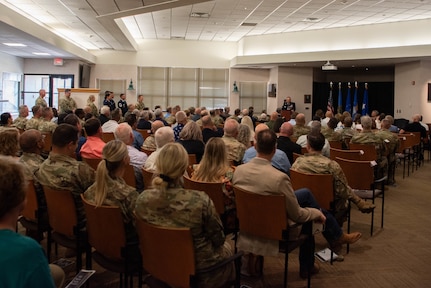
[286,114]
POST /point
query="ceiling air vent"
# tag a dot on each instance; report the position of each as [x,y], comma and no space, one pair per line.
[248,24]
[199,15]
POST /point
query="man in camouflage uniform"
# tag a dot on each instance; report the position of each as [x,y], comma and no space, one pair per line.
[40,101]
[67,104]
[392,143]
[235,149]
[31,143]
[347,132]
[329,132]
[367,136]
[46,125]
[62,171]
[140,105]
[299,128]
[217,119]
[315,163]
[21,120]
[34,122]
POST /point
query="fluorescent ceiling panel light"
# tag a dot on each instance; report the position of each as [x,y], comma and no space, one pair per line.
[41,53]
[15,44]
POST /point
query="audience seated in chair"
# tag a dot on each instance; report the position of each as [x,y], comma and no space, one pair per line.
[301,205]
[316,126]
[137,158]
[191,139]
[235,149]
[62,171]
[392,144]
[92,148]
[285,144]
[279,161]
[315,163]
[367,136]
[9,142]
[170,205]
[23,260]
[163,136]
[214,167]
[110,188]
[150,141]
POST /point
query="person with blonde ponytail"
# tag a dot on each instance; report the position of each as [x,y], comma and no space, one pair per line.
[168,204]
[109,188]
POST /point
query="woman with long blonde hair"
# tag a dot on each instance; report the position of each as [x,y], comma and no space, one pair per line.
[168,204]
[214,167]
[109,188]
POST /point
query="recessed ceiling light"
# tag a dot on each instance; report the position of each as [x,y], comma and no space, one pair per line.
[41,53]
[15,44]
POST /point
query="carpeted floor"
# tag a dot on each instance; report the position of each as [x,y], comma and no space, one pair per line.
[395,256]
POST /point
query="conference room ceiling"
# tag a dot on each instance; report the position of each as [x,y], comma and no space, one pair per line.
[122,24]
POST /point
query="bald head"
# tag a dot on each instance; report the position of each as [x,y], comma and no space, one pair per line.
[156,125]
[286,129]
[124,133]
[300,119]
[260,128]
[416,118]
[207,122]
[231,128]
[274,116]
[30,141]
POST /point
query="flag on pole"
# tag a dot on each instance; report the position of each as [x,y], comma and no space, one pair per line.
[348,100]
[330,106]
[355,101]
[340,99]
[365,101]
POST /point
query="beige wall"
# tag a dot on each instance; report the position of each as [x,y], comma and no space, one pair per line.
[411,90]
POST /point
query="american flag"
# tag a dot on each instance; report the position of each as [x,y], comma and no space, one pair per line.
[330,106]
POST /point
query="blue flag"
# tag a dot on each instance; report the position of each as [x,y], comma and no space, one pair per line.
[340,100]
[365,101]
[355,101]
[348,100]
[330,106]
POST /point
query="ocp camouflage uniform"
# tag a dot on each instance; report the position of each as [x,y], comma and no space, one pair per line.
[33,123]
[47,126]
[140,106]
[300,130]
[118,194]
[235,149]
[94,109]
[369,137]
[67,104]
[218,121]
[150,143]
[20,123]
[179,207]
[347,133]
[66,173]
[32,162]
[330,134]
[391,148]
[170,120]
[41,102]
[316,163]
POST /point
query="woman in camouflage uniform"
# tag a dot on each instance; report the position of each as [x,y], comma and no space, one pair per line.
[110,189]
[170,205]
